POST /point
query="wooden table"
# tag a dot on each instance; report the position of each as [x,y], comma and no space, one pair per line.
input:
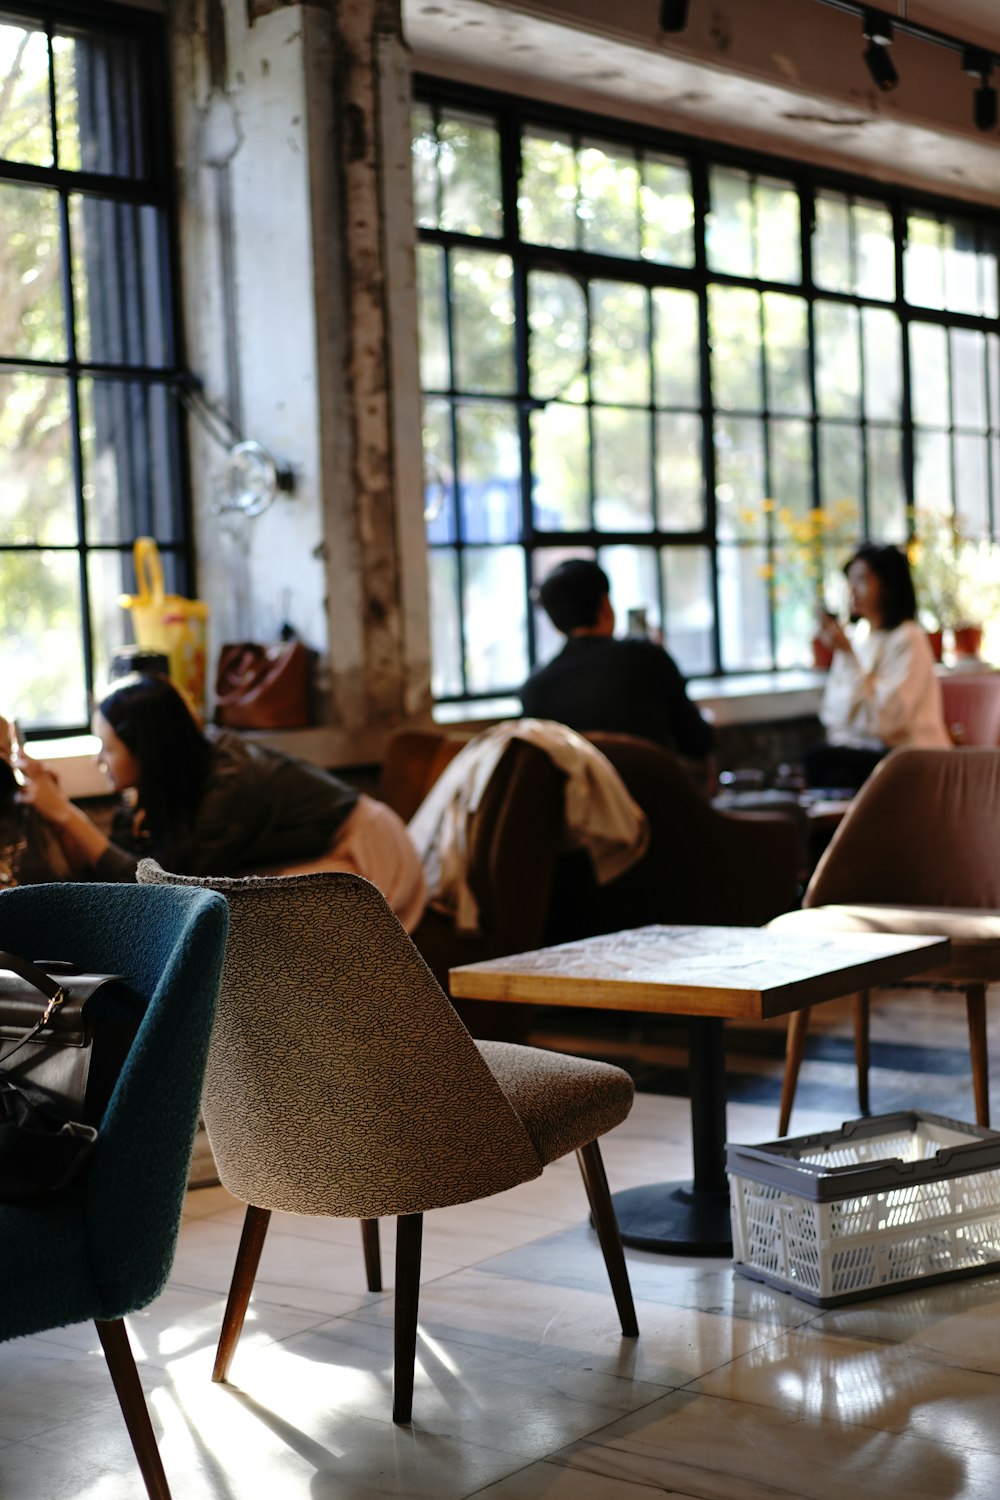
[710,974]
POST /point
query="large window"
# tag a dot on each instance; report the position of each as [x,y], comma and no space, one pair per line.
[714,374]
[88,426]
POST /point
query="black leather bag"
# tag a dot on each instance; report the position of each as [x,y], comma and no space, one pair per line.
[58,1064]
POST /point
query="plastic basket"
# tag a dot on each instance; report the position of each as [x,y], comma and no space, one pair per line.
[879,1205]
[169,623]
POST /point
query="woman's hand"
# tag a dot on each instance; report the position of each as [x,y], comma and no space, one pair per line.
[6,739]
[832,633]
[41,790]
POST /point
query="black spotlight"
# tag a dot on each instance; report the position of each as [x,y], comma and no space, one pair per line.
[673,15]
[984,101]
[878,34]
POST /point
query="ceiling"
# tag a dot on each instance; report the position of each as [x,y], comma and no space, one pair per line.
[798,86]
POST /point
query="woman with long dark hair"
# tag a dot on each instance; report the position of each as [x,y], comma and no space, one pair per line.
[218,804]
[881,691]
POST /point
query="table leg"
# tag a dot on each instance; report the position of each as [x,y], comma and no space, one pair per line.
[690,1218]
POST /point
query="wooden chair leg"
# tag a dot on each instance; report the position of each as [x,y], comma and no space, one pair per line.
[603,1213]
[795,1046]
[373,1254]
[121,1364]
[409,1233]
[247,1260]
[862,1046]
[975,1005]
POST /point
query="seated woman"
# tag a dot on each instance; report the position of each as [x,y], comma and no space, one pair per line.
[881,691]
[217,804]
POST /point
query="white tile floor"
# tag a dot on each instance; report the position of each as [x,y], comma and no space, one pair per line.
[524,1387]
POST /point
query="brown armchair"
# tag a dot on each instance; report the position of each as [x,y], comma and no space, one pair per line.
[917,853]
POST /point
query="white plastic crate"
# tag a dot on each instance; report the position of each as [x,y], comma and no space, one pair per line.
[876,1206]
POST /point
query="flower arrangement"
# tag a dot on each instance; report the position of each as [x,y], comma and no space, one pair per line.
[805,549]
[957,577]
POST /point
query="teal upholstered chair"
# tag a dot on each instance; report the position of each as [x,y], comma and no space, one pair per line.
[106,1248]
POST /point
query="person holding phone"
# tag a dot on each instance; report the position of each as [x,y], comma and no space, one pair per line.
[881,691]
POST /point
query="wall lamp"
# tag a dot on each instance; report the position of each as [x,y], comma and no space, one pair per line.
[979,65]
[673,15]
[878,34]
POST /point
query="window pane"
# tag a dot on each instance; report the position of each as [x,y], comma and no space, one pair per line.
[831,243]
[838,363]
[25,117]
[778,245]
[932,471]
[886,493]
[619,342]
[109,575]
[118,282]
[791,464]
[483,321]
[839,463]
[41,630]
[993,377]
[622,499]
[495,660]
[633,575]
[968,379]
[557,348]
[36,473]
[546,202]
[32,317]
[730,222]
[424,165]
[971,488]
[739,477]
[667,212]
[687,592]
[786,334]
[743,608]
[469,168]
[439,473]
[435,374]
[609,199]
[734,335]
[923,265]
[130,481]
[961,268]
[676,353]
[929,374]
[446,633]
[874,251]
[489,463]
[680,476]
[883,356]
[101,95]
[560,448]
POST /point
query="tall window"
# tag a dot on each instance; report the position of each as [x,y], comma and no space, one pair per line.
[716,374]
[88,427]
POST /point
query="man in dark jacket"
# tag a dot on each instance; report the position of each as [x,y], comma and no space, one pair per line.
[598,682]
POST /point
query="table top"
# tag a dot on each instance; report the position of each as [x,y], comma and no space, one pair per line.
[741,973]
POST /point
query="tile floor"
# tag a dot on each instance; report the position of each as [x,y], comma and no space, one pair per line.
[524,1387]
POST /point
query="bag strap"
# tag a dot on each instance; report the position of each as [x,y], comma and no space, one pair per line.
[50,988]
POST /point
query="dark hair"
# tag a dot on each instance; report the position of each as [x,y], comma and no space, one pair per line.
[572,594]
[891,568]
[155,723]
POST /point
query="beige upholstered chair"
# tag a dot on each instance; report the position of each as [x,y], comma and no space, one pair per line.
[341,1081]
[917,853]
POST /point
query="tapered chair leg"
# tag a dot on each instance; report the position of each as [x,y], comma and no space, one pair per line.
[795,1046]
[862,1047]
[247,1260]
[409,1234]
[121,1364]
[975,1006]
[603,1214]
[373,1254]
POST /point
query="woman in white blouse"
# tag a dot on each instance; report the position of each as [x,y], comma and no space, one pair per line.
[881,691]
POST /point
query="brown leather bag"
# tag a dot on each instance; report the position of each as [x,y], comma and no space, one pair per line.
[263,687]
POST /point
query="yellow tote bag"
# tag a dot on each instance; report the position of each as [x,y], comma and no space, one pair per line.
[170,623]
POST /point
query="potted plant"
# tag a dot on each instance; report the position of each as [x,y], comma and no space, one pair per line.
[957,579]
[808,552]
